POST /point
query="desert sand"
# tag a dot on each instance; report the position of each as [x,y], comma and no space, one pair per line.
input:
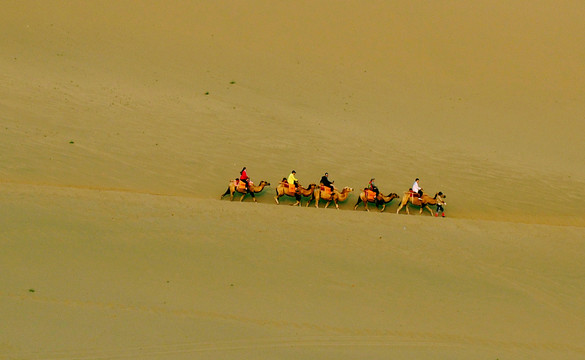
[123,122]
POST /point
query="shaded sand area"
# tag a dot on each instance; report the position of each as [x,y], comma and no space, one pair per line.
[106,274]
[121,124]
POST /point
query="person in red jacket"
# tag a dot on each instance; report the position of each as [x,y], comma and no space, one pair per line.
[244,177]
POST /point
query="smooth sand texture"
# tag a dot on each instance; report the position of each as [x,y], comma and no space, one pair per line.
[123,122]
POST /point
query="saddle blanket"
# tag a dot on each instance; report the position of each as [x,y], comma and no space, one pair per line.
[326,190]
[370,195]
[288,186]
[240,185]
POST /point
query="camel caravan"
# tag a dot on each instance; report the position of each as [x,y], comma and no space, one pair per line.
[327,192]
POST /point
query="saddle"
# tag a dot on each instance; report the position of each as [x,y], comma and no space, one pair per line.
[240,185]
[370,194]
[326,190]
[414,197]
[288,186]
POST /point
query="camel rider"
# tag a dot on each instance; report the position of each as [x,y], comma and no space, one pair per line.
[325,182]
[373,187]
[292,179]
[416,188]
[244,177]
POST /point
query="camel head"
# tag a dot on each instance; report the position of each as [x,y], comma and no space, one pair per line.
[346,189]
[265,183]
[393,196]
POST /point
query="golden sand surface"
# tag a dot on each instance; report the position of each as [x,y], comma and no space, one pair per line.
[122,123]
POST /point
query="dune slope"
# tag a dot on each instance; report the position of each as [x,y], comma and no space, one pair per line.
[123,122]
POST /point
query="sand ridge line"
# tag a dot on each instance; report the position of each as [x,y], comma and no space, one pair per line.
[344,206]
[220,346]
[94,188]
[317,341]
[336,335]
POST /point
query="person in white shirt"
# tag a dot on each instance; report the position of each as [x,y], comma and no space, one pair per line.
[416,187]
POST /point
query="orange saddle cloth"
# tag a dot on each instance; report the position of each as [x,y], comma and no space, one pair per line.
[242,185]
[370,195]
[292,188]
[326,190]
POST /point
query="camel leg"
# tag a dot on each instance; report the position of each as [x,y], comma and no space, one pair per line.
[310,199]
[225,193]
[428,208]
[336,205]
[327,204]
[232,195]
[402,203]
[366,205]
[276,198]
[242,197]
[383,208]
[298,199]
[253,196]
[357,203]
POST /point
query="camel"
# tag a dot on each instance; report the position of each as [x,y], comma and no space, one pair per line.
[283,189]
[232,188]
[379,200]
[426,201]
[336,196]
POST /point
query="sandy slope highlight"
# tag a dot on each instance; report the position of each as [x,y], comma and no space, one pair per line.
[263,279]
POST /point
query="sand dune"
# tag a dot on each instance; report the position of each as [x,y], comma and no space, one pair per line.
[123,122]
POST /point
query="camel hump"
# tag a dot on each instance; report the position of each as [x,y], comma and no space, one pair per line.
[325,189]
[412,193]
[242,184]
